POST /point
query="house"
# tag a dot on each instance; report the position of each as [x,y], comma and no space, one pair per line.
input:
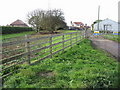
[107,25]
[19,23]
[76,25]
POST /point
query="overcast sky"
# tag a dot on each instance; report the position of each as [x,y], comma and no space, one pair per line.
[85,11]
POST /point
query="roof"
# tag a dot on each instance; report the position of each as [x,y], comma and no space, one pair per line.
[18,22]
[106,21]
[77,22]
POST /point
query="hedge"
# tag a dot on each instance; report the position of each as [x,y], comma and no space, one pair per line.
[9,30]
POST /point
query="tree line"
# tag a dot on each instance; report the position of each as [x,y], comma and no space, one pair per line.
[49,20]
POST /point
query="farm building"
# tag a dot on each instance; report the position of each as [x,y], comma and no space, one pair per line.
[19,23]
[107,25]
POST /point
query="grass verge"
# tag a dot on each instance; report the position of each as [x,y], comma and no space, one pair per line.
[110,36]
[79,67]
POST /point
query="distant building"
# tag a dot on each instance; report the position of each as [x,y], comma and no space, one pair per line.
[107,25]
[76,25]
[19,23]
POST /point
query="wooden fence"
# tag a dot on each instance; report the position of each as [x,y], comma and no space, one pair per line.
[30,51]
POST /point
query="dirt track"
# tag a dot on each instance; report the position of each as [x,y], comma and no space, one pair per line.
[108,45]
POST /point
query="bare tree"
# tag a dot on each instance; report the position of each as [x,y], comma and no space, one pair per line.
[49,20]
[53,20]
[34,19]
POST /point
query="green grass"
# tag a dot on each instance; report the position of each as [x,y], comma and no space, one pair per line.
[110,36]
[67,31]
[38,55]
[6,36]
[54,48]
[79,67]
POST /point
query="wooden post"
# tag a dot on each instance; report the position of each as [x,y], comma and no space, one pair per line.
[76,36]
[63,43]
[71,40]
[85,34]
[50,39]
[27,45]
[80,35]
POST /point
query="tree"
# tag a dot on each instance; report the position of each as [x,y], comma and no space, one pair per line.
[34,19]
[95,23]
[50,20]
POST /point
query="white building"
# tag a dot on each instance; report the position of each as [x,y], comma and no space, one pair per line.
[107,25]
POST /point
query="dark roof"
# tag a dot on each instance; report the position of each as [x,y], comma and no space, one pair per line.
[18,22]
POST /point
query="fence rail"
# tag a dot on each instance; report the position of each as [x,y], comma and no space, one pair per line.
[33,50]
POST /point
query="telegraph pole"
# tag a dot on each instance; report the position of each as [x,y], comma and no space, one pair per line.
[49,8]
[98,16]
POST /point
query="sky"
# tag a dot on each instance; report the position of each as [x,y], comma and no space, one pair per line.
[85,11]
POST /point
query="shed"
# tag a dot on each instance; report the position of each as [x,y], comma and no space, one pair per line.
[107,25]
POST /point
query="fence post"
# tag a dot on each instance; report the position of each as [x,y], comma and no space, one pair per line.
[84,33]
[80,36]
[71,40]
[50,40]
[76,37]
[63,43]
[27,45]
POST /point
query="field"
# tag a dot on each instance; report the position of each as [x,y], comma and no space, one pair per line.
[39,48]
[18,36]
[79,67]
[7,36]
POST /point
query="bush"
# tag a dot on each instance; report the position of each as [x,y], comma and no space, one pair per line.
[9,30]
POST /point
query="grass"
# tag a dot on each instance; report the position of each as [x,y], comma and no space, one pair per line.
[110,36]
[6,36]
[37,55]
[54,48]
[19,36]
[67,31]
[79,67]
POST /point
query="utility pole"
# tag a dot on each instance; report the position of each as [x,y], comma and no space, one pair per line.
[98,16]
[85,30]
[49,8]
[119,16]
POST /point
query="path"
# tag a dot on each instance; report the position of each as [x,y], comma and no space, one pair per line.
[108,45]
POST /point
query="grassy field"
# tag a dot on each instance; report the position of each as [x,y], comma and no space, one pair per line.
[36,44]
[6,36]
[79,67]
